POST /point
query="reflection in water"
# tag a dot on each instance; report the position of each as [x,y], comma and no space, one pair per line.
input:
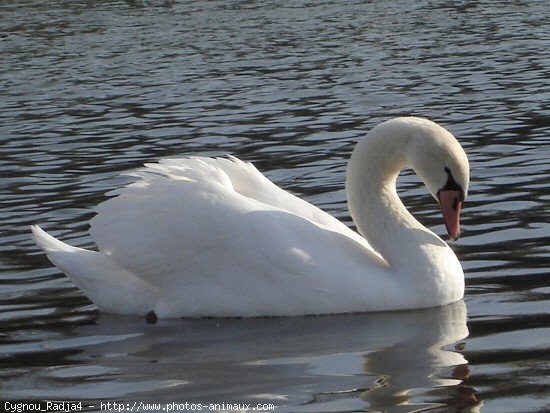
[466,396]
[411,362]
[378,358]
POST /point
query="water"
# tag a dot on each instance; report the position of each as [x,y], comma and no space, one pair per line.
[92,89]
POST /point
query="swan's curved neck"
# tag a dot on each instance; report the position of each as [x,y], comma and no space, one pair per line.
[376,208]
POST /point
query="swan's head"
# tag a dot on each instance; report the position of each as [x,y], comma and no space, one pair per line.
[437,157]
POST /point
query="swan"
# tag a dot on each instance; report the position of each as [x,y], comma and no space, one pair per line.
[213,237]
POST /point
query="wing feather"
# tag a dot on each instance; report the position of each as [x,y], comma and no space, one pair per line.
[190,222]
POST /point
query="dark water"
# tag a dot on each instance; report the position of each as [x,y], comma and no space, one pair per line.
[89,89]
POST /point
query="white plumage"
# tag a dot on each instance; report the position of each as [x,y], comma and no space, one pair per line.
[214,237]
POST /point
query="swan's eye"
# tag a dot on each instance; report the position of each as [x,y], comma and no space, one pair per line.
[451,184]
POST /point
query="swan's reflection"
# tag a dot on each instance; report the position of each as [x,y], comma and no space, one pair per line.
[373,361]
[418,361]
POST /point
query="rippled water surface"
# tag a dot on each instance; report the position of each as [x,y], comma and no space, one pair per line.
[90,89]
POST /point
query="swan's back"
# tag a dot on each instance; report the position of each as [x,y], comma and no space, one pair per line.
[217,231]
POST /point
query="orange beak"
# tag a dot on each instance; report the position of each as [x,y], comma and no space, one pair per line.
[450,201]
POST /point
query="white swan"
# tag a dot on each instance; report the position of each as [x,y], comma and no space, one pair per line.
[200,237]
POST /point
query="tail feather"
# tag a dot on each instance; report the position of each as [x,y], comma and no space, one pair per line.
[49,243]
[111,288]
